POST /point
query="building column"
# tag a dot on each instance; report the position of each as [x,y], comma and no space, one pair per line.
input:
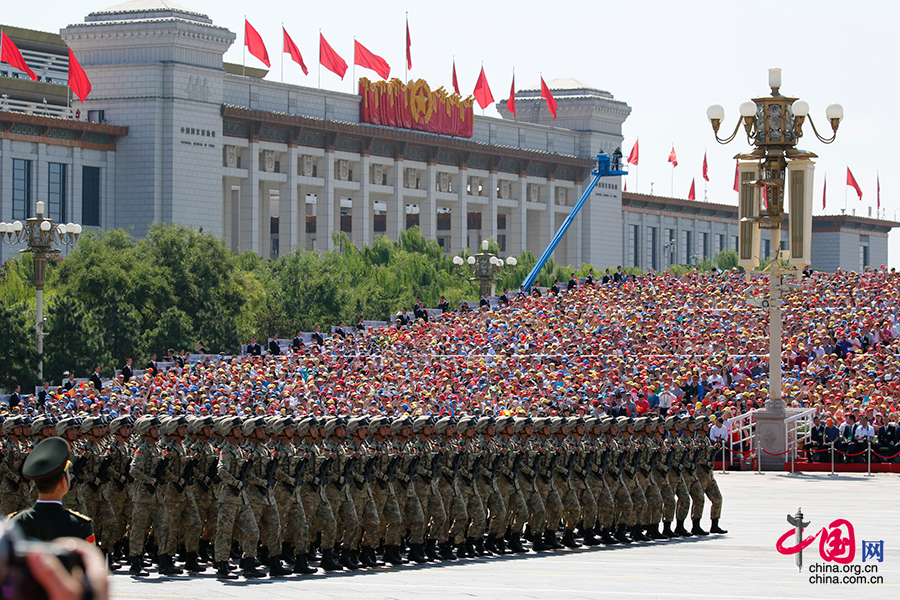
[548,222]
[73,188]
[250,201]
[325,216]
[396,209]
[519,239]
[6,251]
[40,180]
[108,216]
[459,219]
[289,231]
[362,205]
[489,216]
[428,206]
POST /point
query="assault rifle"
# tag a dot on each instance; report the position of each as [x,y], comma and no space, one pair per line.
[494,468]
[456,462]
[242,479]
[390,474]
[435,464]
[270,475]
[298,472]
[323,471]
[77,468]
[413,469]
[102,472]
[367,472]
[187,475]
[586,468]
[475,466]
[345,473]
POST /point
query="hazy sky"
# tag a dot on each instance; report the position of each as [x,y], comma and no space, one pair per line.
[668,60]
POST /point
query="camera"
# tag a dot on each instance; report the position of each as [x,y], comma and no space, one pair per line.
[16,579]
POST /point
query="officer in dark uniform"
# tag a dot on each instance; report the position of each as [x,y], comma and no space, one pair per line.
[151,364]
[816,441]
[127,370]
[96,379]
[274,348]
[444,305]
[253,348]
[48,519]
[297,343]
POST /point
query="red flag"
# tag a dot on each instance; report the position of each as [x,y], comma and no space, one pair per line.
[878,179]
[291,48]
[737,177]
[824,189]
[692,194]
[851,181]
[408,47]
[455,82]
[254,43]
[511,103]
[330,59]
[482,91]
[546,95]
[633,157]
[10,54]
[705,168]
[364,58]
[78,79]
[672,158]
[625,189]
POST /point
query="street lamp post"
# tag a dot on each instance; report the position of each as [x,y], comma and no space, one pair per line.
[774,125]
[485,267]
[39,234]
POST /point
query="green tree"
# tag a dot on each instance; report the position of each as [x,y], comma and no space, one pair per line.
[72,341]
[18,356]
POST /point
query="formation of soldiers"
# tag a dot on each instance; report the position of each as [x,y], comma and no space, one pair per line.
[282,492]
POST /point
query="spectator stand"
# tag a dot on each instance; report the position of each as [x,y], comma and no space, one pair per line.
[742,444]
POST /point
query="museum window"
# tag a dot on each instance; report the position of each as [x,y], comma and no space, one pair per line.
[56,192]
[90,196]
[21,193]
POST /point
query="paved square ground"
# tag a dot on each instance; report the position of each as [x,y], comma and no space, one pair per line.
[742,564]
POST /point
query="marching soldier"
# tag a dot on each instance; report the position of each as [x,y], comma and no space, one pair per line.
[706,475]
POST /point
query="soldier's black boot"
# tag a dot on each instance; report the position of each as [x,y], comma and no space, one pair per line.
[589,538]
[490,546]
[550,539]
[287,553]
[249,569]
[301,566]
[204,551]
[680,530]
[468,548]
[667,530]
[417,553]
[365,558]
[501,546]
[620,534]
[528,535]
[569,539]
[653,532]
[392,555]
[263,556]
[607,538]
[328,563]
[515,544]
[347,561]
[276,569]
[715,527]
[697,530]
[137,567]
[431,550]
[111,563]
[637,534]
[191,565]
[167,567]
[223,572]
[446,551]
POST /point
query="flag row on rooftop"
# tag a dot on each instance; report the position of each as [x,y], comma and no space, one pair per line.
[78,79]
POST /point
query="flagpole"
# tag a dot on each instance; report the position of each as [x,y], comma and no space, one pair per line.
[244,50]
[406,64]
[320,58]
[845,191]
[282,59]
[354,64]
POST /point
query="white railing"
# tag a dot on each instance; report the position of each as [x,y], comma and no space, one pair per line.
[797,429]
[742,438]
[35,108]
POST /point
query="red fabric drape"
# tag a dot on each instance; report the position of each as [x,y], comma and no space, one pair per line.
[415,106]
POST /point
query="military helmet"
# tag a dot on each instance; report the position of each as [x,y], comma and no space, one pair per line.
[355,423]
[605,423]
[11,423]
[63,426]
[143,425]
[685,420]
[624,421]
[671,422]
[124,421]
[399,424]
[555,423]
[503,422]
[539,423]
[197,424]
[302,425]
[640,423]
[420,423]
[225,426]
[277,425]
[41,422]
[521,423]
[482,424]
[590,423]
[701,420]
[464,423]
[377,422]
[442,424]
[331,425]
[90,422]
[251,425]
[171,425]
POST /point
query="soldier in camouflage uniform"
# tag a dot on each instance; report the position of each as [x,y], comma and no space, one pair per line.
[199,444]
[630,469]
[648,456]
[337,490]
[426,483]
[406,474]
[115,489]
[469,468]
[178,491]
[97,508]
[596,466]
[486,480]
[661,475]
[545,446]
[361,492]
[529,466]
[689,467]
[146,469]
[580,472]
[677,449]
[448,443]
[507,479]
[390,519]
[319,513]
[562,478]
[13,489]
[706,476]
[615,477]
[233,506]
[67,428]
[259,489]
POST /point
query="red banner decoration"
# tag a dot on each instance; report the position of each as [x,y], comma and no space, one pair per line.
[415,106]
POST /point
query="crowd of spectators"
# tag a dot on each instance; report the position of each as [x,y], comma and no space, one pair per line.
[654,344]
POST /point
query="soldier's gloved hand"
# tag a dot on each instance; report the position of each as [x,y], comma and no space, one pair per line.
[181,481]
[151,489]
[240,485]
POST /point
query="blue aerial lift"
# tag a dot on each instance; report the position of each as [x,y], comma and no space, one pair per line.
[607,166]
